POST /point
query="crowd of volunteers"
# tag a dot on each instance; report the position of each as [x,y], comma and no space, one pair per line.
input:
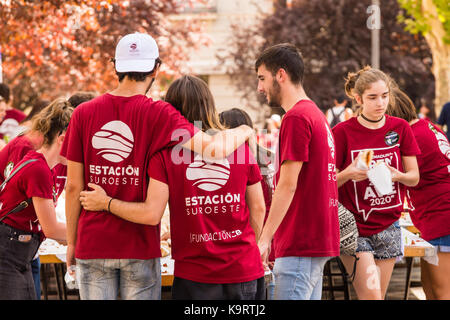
[244,203]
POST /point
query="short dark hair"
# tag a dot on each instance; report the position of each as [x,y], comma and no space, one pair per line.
[79,97]
[137,76]
[5,92]
[285,56]
[340,98]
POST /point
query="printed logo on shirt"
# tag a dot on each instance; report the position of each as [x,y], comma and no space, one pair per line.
[367,198]
[114,141]
[8,169]
[391,138]
[444,146]
[330,141]
[208,176]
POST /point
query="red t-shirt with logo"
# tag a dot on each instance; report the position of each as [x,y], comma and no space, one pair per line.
[212,240]
[311,226]
[373,212]
[114,137]
[33,180]
[14,152]
[430,199]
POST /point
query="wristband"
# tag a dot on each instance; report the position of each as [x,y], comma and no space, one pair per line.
[109,204]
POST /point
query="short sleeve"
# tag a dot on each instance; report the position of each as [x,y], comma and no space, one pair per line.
[408,146]
[157,169]
[43,189]
[171,128]
[72,147]
[295,138]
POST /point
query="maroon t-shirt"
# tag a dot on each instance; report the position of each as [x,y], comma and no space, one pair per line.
[311,226]
[60,178]
[212,240]
[33,180]
[373,212]
[14,152]
[430,199]
[114,137]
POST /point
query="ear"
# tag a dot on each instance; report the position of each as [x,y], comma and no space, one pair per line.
[281,75]
[61,138]
[358,98]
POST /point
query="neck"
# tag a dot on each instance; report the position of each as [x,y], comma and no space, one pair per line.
[35,138]
[292,95]
[51,154]
[413,122]
[372,125]
[128,88]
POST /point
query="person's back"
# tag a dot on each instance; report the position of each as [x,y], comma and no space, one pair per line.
[209,217]
[339,112]
[114,145]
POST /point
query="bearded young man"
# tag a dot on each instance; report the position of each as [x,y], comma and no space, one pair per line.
[303,218]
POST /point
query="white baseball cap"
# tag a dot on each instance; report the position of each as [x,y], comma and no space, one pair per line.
[136,52]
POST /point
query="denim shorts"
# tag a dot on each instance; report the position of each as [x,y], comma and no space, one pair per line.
[442,244]
[384,245]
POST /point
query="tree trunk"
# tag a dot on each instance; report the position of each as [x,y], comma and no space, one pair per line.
[441,55]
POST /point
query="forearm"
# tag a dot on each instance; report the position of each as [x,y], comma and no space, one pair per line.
[58,232]
[136,212]
[342,178]
[73,210]
[257,221]
[410,178]
[226,142]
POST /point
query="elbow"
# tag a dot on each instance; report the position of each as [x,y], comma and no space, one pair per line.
[415,180]
[74,188]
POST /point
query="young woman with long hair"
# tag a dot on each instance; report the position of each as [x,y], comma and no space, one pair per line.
[376,214]
[430,199]
[28,200]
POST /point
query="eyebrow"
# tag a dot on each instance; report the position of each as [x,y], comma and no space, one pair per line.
[374,94]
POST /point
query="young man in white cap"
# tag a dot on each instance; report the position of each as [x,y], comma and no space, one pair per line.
[109,142]
[303,217]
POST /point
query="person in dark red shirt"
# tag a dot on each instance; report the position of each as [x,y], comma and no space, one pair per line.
[303,219]
[110,141]
[376,213]
[216,208]
[430,199]
[22,232]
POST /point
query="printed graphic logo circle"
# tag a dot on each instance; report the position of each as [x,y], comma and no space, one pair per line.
[114,141]
[391,138]
[208,176]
